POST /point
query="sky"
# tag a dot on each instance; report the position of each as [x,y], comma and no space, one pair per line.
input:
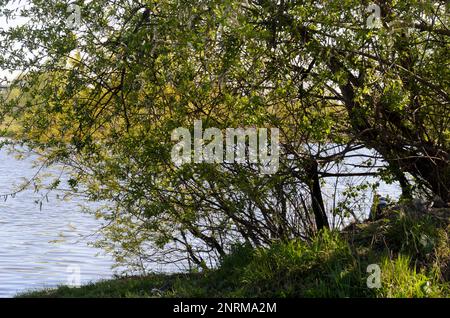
[4,24]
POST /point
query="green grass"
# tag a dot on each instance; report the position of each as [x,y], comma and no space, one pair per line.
[402,281]
[136,286]
[412,252]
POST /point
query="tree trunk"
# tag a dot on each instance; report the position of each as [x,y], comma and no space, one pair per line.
[316,196]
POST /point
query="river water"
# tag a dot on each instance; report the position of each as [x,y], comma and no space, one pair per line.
[44,246]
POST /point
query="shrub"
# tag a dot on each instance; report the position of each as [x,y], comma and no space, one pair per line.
[324,267]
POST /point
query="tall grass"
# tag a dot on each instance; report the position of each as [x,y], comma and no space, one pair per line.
[400,280]
[412,253]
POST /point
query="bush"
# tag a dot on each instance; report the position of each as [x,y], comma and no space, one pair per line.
[413,261]
[324,267]
[329,266]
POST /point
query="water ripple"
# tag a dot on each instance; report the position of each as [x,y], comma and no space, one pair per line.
[38,246]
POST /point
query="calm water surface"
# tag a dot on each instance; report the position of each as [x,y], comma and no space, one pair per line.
[43,247]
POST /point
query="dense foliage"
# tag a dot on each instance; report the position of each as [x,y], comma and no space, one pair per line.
[102,97]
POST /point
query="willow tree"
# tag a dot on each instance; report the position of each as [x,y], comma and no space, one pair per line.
[102,92]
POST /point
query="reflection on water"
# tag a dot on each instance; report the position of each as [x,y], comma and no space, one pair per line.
[41,247]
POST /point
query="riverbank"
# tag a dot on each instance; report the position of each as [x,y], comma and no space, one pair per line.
[409,246]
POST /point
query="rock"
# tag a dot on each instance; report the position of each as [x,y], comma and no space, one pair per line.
[156,292]
[438,203]
[378,205]
[382,203]
[419,205]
